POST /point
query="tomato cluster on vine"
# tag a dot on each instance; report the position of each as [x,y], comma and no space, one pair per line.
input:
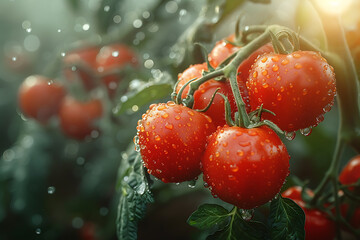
[244,164]
[73,101]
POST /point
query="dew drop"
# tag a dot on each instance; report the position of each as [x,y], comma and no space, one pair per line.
[247,214]
[306,131]
[290,135]
[284,62]
[169,126]
[279,97]
[327,108]
[192,183]
[297,66]
[51,190]
[38,231]
[264,73]
[275,68]
[165,115]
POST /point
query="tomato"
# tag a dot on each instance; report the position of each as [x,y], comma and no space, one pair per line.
[222,50]
[245,167]
[88,231]
[203,95]
[112,58]
[299,88]
[317,224]
[82,64]
[77,119]
[351,172]
[39,98]
[172,141]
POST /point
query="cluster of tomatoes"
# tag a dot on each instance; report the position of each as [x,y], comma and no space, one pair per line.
[317,223]
[243,166]
[85,69]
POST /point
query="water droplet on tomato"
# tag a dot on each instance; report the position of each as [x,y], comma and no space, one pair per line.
[284,62]
[169,126]
[304,91]
[297,66]
[165,115]
[306,131]
[231,177]
[177,117]
[225,144]
[275,68]
[217,154]
[264,73]
[327,108]
[279,97]
[265,85]
[206,184]
[192,183]
[191,113]
[255,74]
[157,138]
[290,135]
[247,214]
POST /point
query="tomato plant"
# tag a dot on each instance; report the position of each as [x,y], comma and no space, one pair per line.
[317,224]
[203,95]
[245,167]
[39,97]
[172,140]
[351,172]
[299,88]
[78,118]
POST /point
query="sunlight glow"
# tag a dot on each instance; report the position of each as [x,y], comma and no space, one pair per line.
[335,7]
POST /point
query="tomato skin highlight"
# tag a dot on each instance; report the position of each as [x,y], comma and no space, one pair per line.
[245,167]
[299,88]
[39,98]
[206,90]
[317,224]
[77,119]
[172,141]
[351,172]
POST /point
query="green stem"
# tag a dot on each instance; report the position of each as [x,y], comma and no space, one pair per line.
[331,172]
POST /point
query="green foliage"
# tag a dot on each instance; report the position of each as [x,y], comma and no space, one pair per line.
[135,195]
[286,220]
[155,89]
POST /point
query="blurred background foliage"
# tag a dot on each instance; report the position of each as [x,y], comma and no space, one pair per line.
[53,187]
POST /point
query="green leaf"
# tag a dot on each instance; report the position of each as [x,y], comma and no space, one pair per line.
[239,229]
[148,92]
[286,220]
[209,216]
[135,195]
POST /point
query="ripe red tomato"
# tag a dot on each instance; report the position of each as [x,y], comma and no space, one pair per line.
[317,225]
[77,61]
[222,51]
[39,98]
[77,119]
[245,167]
[172,141]
[354,220]
[203,95]
[351,172]
[111,58]
[299,88]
